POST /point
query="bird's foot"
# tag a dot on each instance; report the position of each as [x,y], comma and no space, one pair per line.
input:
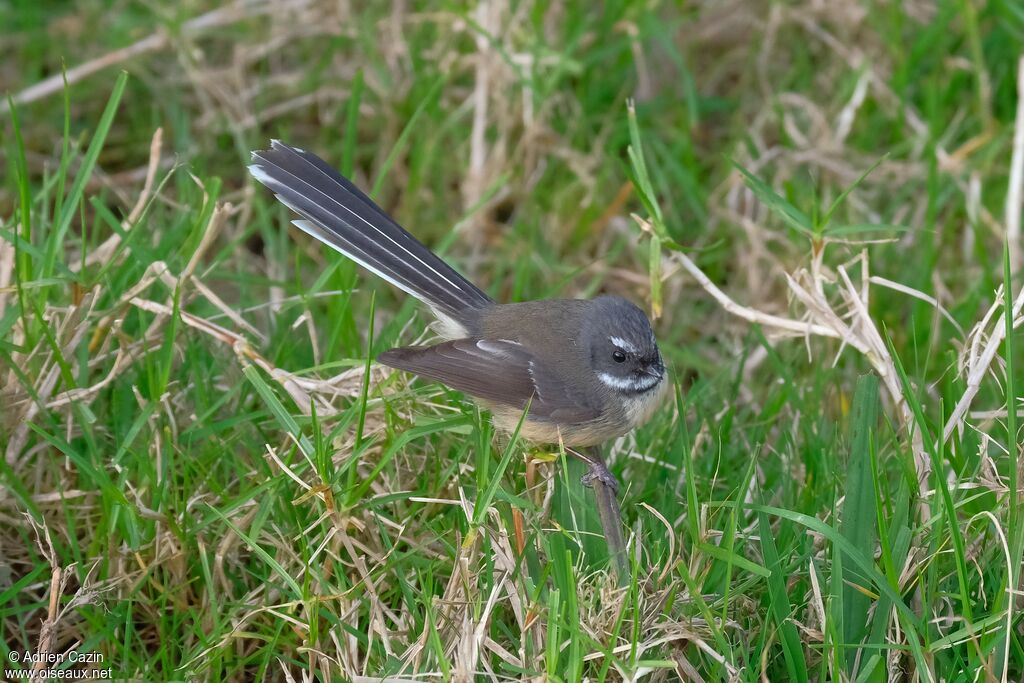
[599,472]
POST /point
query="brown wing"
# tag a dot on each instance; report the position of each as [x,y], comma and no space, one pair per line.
[502,372]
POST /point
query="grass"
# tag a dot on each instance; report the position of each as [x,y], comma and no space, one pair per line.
[205,477]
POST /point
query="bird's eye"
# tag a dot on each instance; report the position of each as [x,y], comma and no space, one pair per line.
[618,356]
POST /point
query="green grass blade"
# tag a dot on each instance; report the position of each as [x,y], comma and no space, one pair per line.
[70,207]
[348,155]
[277,409]
[857,523]
[261,552]
[911,622]
[403,137]
[779,605]
[938,463]
[791,215]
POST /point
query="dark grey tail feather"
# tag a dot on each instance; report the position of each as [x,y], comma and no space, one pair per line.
[340,215]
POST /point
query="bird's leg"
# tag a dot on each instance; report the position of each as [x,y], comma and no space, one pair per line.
[598,471]
[606,489]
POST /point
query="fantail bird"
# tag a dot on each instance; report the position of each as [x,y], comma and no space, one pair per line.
[589,370]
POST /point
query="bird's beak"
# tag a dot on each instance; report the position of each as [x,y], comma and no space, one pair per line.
[655,369]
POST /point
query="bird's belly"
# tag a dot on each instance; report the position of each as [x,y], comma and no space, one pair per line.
[540,431]
[580,434]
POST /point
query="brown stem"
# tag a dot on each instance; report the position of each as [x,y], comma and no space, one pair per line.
[605,489]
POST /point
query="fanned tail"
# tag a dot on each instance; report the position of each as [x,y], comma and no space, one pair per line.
[338,214]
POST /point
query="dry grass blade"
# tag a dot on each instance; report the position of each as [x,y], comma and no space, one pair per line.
[218,18]
[824,319]
[978,365]
[103,252]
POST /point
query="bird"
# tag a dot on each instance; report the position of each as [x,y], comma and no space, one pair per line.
[585,371]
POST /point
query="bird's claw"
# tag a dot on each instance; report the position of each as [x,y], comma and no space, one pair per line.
[599,472]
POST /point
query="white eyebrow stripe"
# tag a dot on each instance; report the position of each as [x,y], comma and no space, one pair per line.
[623,344]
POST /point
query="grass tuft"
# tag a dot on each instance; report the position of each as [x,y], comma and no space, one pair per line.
[204,474]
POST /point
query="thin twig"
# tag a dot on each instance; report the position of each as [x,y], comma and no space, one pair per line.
[219,17]
[605,495]
[749,314]
[57,582]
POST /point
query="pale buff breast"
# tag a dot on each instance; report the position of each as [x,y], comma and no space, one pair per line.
[638,411]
